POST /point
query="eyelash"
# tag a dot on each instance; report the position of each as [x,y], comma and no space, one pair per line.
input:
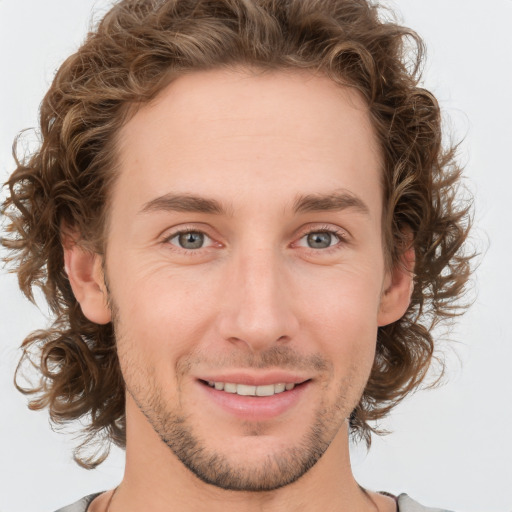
[339,234]
[184,231]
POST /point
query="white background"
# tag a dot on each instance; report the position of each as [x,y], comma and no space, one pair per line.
[451,447]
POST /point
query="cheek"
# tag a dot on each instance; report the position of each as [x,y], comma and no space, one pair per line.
[169,312]
[342,315]
[162,313]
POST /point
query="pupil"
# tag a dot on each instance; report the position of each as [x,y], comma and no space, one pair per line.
[319,240]
[191,240]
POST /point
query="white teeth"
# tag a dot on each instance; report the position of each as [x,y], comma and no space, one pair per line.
[279,388]
[230,388]
[242,389]
[246,390]
[265,390]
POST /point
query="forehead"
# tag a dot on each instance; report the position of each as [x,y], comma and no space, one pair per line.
[239,133]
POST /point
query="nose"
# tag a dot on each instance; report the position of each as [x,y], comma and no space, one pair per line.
[257,307]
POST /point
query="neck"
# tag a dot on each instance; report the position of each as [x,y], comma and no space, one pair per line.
[156,480]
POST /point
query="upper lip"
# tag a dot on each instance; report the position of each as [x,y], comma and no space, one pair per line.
[254,379]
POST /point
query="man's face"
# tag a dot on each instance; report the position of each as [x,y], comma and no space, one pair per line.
[245,258]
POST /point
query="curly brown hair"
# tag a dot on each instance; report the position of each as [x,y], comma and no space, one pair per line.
[135,51]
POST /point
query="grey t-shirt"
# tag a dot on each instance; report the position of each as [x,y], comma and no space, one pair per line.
[404,504]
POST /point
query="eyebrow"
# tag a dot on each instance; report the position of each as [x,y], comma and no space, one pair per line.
[335,201]
[184,203]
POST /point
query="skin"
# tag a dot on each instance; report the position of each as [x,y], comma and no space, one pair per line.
[255,303]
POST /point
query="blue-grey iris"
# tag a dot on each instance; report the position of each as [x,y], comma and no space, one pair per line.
[319,240]
[192,240]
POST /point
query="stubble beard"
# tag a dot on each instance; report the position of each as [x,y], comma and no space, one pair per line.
[214,468]
[278,469]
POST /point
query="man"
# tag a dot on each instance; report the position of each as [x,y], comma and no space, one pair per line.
[244,220]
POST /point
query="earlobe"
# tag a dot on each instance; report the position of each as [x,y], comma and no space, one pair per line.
[85,274]
[396,296]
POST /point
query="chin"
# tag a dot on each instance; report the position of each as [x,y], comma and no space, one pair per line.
[252,460]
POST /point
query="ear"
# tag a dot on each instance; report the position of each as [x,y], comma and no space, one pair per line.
[85,273]
[398,288]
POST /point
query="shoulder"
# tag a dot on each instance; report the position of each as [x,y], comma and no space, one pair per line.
[407,504]
[81,505]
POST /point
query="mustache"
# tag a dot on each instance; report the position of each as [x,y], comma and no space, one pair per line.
[281,357]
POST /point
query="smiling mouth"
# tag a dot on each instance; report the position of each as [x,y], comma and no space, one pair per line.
[249,390]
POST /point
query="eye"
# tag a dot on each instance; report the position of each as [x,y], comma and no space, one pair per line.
[319,239]
[190,240]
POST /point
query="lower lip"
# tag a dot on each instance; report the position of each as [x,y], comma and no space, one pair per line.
[256,408]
